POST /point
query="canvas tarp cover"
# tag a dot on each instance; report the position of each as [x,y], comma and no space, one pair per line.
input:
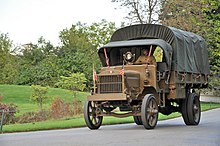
[189,50]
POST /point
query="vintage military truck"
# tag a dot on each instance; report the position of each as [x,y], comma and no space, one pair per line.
[125,88]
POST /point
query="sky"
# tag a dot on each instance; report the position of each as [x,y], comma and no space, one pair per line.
[27,20]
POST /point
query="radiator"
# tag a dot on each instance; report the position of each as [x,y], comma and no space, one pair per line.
[109,84]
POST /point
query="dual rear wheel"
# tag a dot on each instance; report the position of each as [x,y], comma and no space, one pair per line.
[191,110]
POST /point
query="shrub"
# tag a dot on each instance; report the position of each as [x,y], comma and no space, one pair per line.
[31,117]
[215,84]
[9,113]
[39,95]
[60,109]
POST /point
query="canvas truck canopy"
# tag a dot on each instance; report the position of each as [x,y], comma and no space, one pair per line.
[115,50]
[189,50]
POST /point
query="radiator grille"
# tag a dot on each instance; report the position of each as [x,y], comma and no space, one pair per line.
[109,84]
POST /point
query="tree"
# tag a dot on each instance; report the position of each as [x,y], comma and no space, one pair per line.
[35,53]
[39,64]
[199,16]
[212,17]
[39,95]
[8,62]
[79,47]
[74,82]
[141,11]
[182,14]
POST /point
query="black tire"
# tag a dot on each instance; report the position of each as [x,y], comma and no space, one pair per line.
[137,120]
[149,111]
[184,111]
[191,110]
[194,109]
[92,121]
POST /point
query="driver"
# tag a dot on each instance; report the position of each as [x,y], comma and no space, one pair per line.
[143,58]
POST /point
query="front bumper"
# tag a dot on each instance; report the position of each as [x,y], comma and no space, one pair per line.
[107,97]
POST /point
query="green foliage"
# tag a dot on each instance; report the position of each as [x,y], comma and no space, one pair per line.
[38,64]
[214,84]
[8,62]
[35,53]
[79,47]
[39,95]
[158,54]
[5,44]
[74,82]
[212,18]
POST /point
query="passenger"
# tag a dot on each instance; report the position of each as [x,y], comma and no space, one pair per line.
[143,58]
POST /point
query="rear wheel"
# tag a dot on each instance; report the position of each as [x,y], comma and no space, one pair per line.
[191,110]
[137,120]
[92,120]
[149,111]
[194,109]
[184,111]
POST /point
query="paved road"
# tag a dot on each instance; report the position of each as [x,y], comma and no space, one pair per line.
[167,133]
[210,98]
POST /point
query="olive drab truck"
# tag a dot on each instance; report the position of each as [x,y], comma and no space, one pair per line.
[125,88]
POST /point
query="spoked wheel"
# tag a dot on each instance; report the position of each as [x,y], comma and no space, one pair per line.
[191,110]
[149,111]
[92,120]
[137,120]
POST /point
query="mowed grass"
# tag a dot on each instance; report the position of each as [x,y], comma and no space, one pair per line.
[20,96]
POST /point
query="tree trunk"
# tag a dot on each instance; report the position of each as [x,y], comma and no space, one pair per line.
[75,104]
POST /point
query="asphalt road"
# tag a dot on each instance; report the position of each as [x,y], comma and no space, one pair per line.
[167,133]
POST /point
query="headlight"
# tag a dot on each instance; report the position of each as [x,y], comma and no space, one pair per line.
[128,56]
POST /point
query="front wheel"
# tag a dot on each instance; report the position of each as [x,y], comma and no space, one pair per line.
[149,111]
[92,120]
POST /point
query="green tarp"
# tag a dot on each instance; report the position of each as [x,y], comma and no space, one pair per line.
[189,50]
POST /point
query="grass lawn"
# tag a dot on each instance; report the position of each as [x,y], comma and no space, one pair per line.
[20,96]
